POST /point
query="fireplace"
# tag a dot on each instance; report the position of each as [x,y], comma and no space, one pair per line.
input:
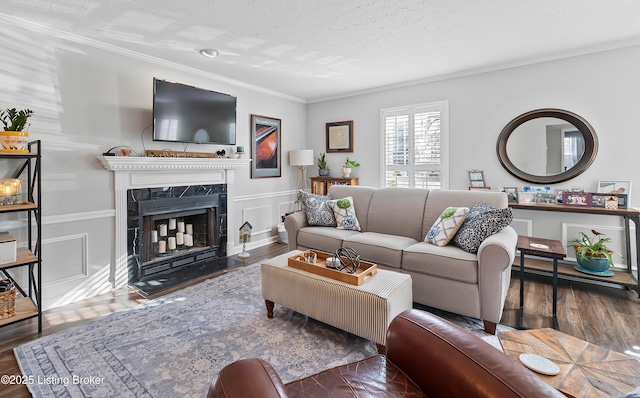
[172,229]
[163,177]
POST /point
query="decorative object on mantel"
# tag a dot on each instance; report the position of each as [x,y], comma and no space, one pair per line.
[593,256]
[124,151]
[347,166]
[245,236]
[323,168]
[239,151]
[167,153]
[13,138]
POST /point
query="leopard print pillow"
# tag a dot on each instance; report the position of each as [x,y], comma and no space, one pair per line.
[482,221]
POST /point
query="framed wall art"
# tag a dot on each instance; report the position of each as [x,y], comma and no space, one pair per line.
[340,136]
[265,147]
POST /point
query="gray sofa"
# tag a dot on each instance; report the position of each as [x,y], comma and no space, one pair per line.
[394,222]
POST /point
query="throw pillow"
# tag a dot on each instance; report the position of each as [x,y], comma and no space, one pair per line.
[345,213]
[317,208]
[482,221]
[446,225]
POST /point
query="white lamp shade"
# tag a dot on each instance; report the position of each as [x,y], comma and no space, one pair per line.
[301,157]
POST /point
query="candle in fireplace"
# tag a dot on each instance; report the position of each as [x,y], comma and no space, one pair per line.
[189,229]
[172,224]
[180,226]
[172,243]
[162,246]
[154,236]
[188,240]
[163,229]
[179,238]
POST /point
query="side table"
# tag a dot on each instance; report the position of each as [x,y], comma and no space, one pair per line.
[540,247]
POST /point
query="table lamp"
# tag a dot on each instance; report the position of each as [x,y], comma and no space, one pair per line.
[301,158]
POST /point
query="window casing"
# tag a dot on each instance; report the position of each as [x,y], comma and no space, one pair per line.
[415,146]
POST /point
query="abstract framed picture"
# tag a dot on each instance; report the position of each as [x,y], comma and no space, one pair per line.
[265,147]
[616,187]
[340,136]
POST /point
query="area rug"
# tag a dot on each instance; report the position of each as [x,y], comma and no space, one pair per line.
[175,345]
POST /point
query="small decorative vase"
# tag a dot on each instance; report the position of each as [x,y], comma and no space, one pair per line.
[346,172]
[324,172]
[14,141]
[594,264]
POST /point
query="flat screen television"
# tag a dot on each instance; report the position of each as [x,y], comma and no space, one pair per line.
[189,114]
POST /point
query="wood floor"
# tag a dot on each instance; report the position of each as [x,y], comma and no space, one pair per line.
[603,316]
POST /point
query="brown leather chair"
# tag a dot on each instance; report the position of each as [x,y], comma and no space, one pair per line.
[426,356]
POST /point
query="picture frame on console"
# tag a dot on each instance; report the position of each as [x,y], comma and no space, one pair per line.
[476,178]
[512,194]
[340,136]
[616,187]
[577,199]
[526,197]
[266,147]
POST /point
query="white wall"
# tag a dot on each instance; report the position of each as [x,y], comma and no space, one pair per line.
[88,98]
[602,88]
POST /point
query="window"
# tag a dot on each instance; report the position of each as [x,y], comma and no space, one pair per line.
[414,145]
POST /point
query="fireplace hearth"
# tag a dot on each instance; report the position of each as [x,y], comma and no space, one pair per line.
[175,234]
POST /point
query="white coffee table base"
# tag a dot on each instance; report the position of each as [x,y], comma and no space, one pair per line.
[365,310]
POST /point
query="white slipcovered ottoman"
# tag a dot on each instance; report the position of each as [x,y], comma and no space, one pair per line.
[365,310]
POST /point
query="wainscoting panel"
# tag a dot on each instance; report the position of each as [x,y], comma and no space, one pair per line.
[66,259]
[523,226]
[260,219]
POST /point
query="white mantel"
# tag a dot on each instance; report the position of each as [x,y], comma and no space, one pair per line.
[149,172]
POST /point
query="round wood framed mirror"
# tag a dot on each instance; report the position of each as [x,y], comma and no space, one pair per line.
[547,146]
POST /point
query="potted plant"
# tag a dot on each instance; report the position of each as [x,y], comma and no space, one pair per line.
[347,166]
[592,255]
[13,139]
[323,169]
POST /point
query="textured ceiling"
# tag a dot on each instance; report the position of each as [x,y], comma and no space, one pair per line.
[322,49]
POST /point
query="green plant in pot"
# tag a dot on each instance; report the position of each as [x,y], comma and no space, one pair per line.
[347,166]
[323,168]
[13,138]
[592,253]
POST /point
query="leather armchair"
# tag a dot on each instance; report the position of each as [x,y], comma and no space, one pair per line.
[426,356]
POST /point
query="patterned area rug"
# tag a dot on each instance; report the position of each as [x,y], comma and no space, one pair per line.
[176,345]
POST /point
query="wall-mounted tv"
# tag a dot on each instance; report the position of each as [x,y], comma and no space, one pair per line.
[184,113]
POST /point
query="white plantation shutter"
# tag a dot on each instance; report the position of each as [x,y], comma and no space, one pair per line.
[414,145]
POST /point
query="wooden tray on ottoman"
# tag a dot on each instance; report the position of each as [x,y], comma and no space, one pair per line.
[320,268]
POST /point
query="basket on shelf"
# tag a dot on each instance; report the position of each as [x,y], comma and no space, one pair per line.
[7,301]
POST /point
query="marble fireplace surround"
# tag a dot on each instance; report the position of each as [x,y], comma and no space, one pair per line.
[150,172]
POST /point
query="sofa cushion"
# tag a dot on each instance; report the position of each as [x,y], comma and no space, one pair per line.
[381,249]
[361,198]
[317,209]
[398,211]
[445,262]
[345,212]
[325,239]
[483,221]
[446,226]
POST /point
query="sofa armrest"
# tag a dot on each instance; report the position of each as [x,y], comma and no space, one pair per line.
[292,223]
[445,360]
[247,378]
[495,258]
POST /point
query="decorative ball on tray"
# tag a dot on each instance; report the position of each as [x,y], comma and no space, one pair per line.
[349,260]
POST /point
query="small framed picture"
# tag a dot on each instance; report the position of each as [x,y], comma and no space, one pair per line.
[512,194]
[526,197]
[616,187]
[578,199]
[598,200]
[340,136]
[543,198]
[559,193]
[476,178]
[622,199]
[611,202]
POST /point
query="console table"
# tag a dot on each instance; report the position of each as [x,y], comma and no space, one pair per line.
[627,279]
